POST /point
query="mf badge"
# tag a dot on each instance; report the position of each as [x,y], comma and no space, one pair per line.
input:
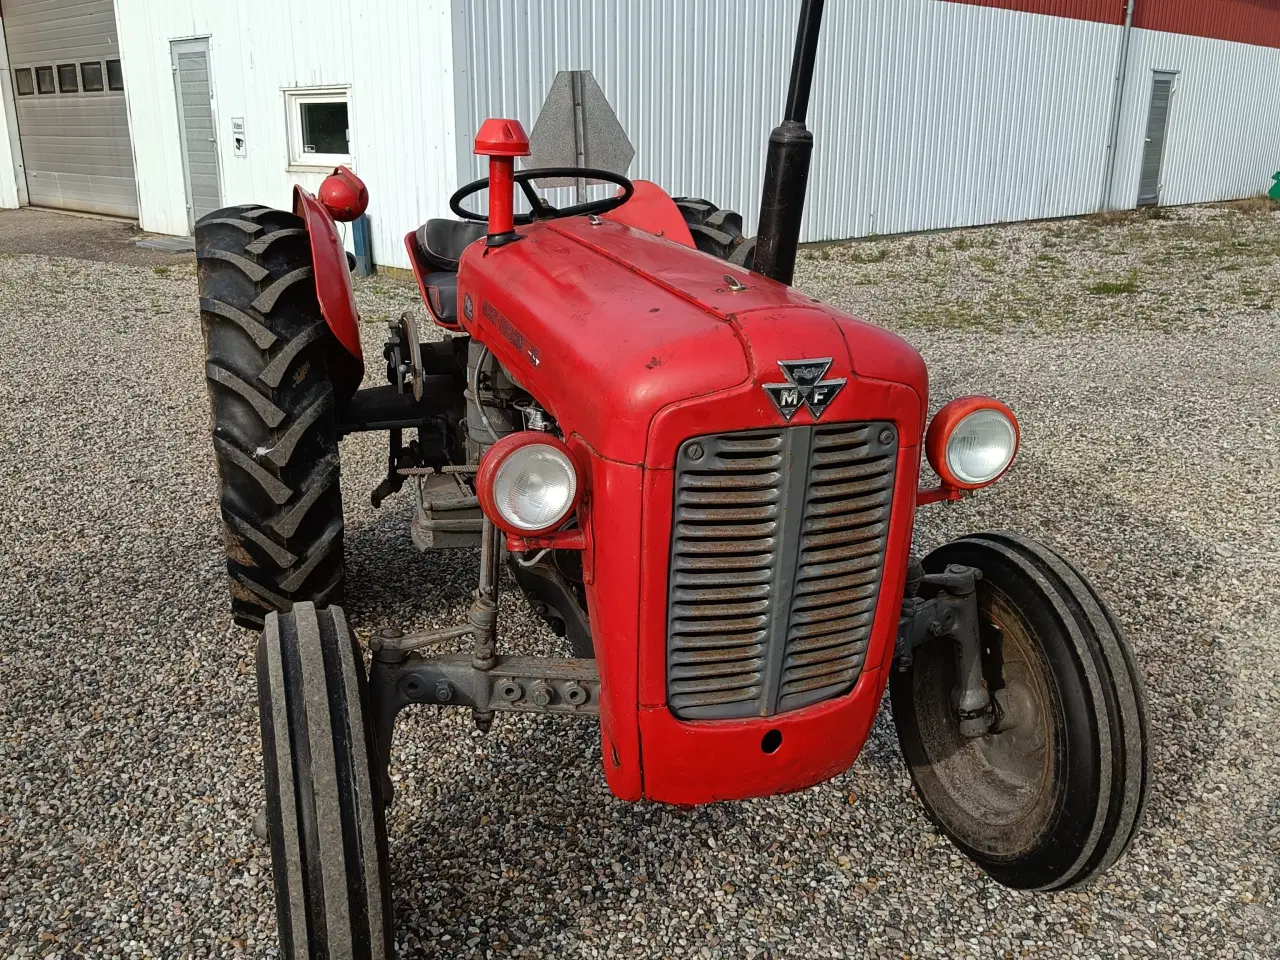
[804,387]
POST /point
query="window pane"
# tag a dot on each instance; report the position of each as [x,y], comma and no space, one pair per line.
[324,128]
[44,79]
[26,83]
[67,82]
[91,74]
[115,76]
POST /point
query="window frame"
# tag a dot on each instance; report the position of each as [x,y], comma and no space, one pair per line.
[53,81]
[75,77]
[102,77]
[106,69]
[30,74]
[294,99]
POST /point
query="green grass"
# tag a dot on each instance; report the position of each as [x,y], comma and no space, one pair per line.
[1108,288]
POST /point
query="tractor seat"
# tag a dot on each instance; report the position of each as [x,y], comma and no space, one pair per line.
[441,242]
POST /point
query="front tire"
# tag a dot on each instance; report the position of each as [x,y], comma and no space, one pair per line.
[325,816]
[1054,794]
[267,353]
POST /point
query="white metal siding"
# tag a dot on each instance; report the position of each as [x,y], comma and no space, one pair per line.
[1223,137]
[75,146]
[925,114]
[396,57]
[13,184]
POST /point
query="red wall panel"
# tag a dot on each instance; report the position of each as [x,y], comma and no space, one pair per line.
[1245,21]
[1100,11]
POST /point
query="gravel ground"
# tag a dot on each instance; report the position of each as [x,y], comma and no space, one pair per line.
[1143,357]
[37,231]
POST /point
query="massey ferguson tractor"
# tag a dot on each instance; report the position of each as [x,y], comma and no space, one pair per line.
[702,478]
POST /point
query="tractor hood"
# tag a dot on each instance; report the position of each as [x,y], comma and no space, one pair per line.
[609,327]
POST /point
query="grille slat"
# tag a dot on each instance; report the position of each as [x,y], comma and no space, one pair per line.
[778,542]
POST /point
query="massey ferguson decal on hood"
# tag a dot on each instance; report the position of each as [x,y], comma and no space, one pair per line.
[804,386]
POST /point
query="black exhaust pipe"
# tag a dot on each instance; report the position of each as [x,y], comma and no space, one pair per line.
[786,168]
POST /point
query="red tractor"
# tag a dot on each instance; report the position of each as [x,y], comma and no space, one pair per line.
[703,478]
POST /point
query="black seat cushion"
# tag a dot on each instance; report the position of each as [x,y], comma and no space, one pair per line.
[442,295]
[441,242]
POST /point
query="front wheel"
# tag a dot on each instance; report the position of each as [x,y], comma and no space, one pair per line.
[1053,794]
[325,817]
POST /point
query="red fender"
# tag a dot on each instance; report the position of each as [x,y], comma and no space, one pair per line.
[651,209]
[333,289]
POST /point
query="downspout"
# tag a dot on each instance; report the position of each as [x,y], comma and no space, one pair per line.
[1117,102]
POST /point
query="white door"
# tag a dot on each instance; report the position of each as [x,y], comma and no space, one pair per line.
[196,127]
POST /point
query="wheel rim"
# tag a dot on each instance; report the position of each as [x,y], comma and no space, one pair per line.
[997,794]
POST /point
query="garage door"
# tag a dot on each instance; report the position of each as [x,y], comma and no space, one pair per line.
[69,90]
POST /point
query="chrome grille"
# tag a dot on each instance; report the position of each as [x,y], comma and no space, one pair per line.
[778,542]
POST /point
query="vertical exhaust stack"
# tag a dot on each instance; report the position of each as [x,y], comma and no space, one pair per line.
[786,170]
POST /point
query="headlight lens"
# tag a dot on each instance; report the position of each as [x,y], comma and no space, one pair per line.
[534,487]
[981,446]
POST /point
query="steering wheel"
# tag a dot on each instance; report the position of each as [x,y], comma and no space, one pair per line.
[541,209]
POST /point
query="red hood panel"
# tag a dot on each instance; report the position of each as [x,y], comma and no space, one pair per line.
[608,325]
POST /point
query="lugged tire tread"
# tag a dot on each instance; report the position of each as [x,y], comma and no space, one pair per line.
[266,301]
[259,247]
[267,355]
[716,231]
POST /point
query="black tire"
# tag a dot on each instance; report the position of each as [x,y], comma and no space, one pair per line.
[267,353]
[717,232]
[1054,798]
[325,816]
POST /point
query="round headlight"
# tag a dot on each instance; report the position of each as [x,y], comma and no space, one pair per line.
[971,442]
[981,446]
[534,487]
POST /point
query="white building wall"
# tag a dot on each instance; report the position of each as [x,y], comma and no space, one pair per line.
[11,191]
[395,56]
[925,114]
[1223,139]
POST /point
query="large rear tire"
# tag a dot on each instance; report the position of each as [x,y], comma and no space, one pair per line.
[267,352]
[1054,794]
[325,817]
[717,232]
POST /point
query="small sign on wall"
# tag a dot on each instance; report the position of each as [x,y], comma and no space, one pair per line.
[237,137]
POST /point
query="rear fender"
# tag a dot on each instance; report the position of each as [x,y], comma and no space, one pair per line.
[333,289]
[651,209]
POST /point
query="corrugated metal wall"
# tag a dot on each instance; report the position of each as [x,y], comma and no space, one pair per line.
[1223,138]
[396,57]
[926,114]
[1242,21]
[1102,11]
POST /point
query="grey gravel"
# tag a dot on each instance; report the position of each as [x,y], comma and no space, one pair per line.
[129,764]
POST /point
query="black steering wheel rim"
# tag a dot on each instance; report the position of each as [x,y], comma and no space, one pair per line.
[541,209]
